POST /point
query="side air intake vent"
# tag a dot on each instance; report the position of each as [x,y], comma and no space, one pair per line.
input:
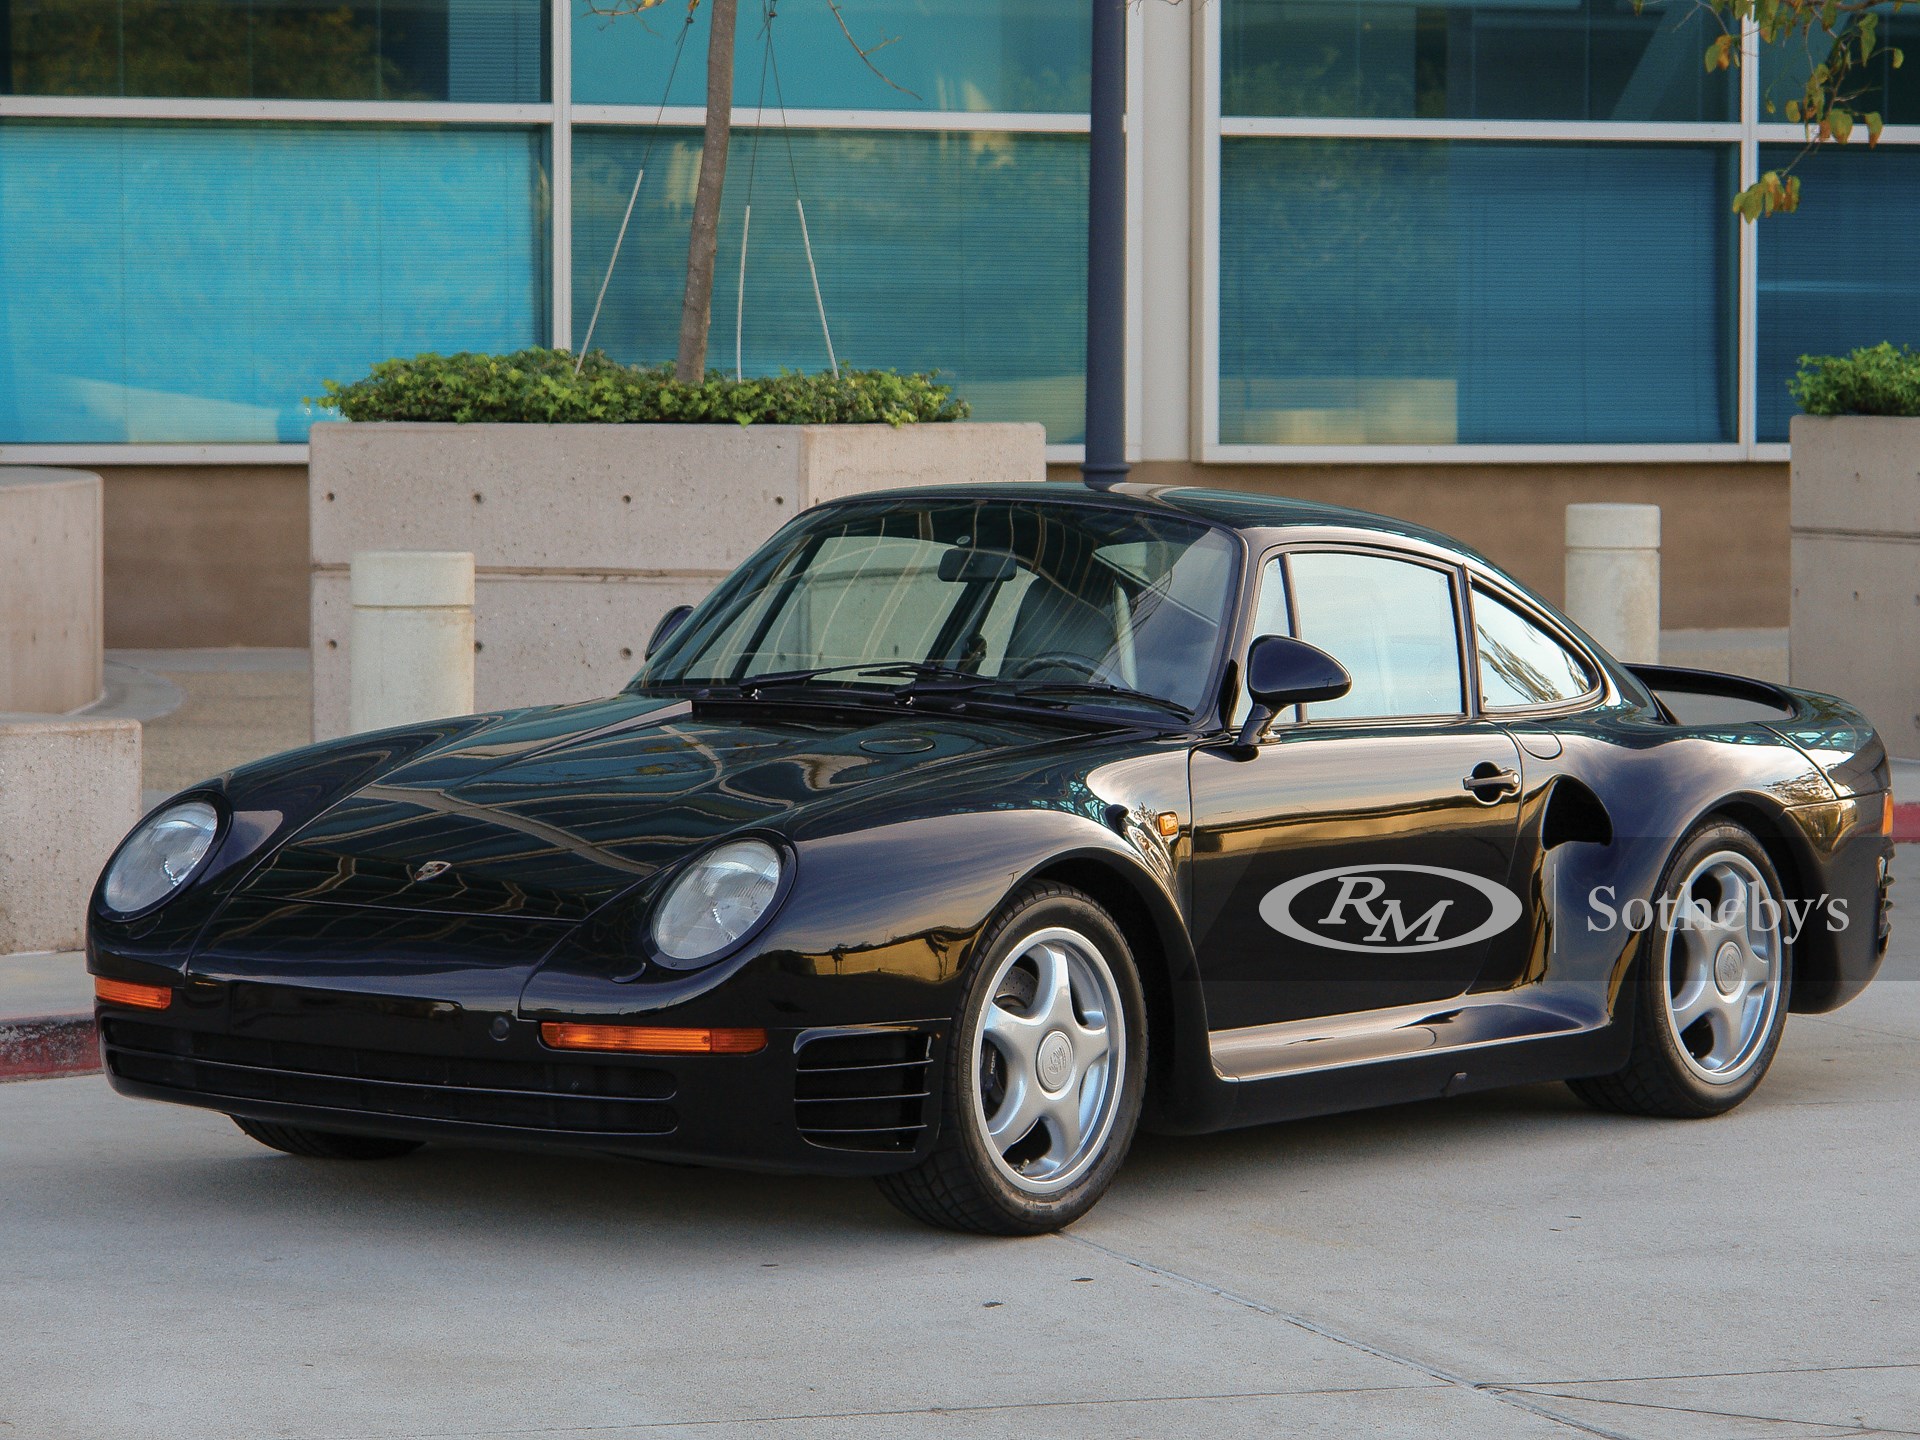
[863,1089]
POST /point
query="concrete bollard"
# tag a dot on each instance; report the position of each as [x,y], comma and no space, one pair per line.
[50,597]
[410,650]
[1613,577]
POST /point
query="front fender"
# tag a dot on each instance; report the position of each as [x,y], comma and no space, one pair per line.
[266,803]
[879,925]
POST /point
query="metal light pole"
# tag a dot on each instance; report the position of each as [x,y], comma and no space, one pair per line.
[1106,458]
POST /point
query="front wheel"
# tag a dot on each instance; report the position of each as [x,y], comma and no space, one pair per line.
[1045,1074]
[1710,984]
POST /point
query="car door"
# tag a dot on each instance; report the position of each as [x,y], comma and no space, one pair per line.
[1362,858]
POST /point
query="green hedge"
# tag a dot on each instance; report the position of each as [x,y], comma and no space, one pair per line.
[539,386]
[1876,381]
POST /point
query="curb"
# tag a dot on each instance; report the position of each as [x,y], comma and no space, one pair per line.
[43,1047]
[1906,823]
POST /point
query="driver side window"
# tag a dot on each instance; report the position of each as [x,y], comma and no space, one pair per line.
[1391,622]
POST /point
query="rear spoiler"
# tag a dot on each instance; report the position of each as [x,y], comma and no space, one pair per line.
[1829,731]
[1790,703]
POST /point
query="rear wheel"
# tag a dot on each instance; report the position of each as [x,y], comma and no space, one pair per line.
[1044,1074]
[1710,986]
[324,1144]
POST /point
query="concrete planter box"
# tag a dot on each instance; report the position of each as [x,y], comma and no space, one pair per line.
[583,536]
[1856,567]
[69,792]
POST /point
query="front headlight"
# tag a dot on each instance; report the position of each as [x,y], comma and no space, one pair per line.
[721,897]
[160,856]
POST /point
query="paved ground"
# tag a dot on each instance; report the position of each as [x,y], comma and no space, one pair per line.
[1499,1266]
[44,984]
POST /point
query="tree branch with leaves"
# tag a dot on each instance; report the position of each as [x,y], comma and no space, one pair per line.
[703,241]
[1826,107]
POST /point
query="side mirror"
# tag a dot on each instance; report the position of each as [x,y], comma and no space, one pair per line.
[1283,672]
[669,622]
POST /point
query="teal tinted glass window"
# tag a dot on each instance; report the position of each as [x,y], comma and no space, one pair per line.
[167,283]
[1524,60]
[1815,299]
[1875,86]
[960,252]
[1006,55]
[477,51]
[1439,293]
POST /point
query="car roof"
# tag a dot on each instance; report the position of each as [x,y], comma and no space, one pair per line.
[1235,509]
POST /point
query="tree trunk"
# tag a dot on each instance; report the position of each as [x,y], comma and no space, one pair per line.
[696,310]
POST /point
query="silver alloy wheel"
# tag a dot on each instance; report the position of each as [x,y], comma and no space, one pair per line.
[1051,1060]
[1724,953]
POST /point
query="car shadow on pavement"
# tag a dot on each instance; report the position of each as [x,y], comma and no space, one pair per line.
[591,1201]
[594,1201]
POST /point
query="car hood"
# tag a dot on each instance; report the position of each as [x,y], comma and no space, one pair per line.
[545,815]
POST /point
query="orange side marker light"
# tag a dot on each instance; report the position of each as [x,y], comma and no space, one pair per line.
[652,1039]
[125,992]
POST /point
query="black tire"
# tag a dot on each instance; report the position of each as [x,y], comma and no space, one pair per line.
[324,1144]
[1659,1078]
[961,1185]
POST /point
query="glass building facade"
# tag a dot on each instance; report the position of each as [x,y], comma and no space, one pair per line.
[1507,227]
[1433,228]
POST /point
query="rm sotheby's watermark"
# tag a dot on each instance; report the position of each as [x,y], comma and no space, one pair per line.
[1752,911]
[1404,909]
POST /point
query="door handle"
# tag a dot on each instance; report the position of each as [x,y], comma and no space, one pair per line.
[1490,783]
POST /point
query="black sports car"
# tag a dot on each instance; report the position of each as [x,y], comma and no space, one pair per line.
[961,831]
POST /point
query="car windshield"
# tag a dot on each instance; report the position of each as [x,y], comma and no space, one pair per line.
[1023,598]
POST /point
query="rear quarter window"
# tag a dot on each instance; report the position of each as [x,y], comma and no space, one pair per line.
[1521,663]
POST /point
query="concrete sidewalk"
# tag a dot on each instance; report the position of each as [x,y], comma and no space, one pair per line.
[45,984]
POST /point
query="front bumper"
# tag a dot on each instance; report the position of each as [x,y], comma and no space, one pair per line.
[833,1100]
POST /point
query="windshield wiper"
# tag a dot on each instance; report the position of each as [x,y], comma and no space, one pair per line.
[915,670]
[1100,688]
[931,678]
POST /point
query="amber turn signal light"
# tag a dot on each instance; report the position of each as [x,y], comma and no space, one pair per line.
[1886,812]
[125,992]
[652,1039]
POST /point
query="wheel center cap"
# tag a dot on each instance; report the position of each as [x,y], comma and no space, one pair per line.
[1054,1062]
[1727,968]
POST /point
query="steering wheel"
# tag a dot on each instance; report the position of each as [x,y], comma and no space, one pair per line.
[1055,659]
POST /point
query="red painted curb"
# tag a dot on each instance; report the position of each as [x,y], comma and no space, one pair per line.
[1906,823]
[41,1047]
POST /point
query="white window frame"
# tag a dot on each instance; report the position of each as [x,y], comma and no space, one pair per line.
[1748,133]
